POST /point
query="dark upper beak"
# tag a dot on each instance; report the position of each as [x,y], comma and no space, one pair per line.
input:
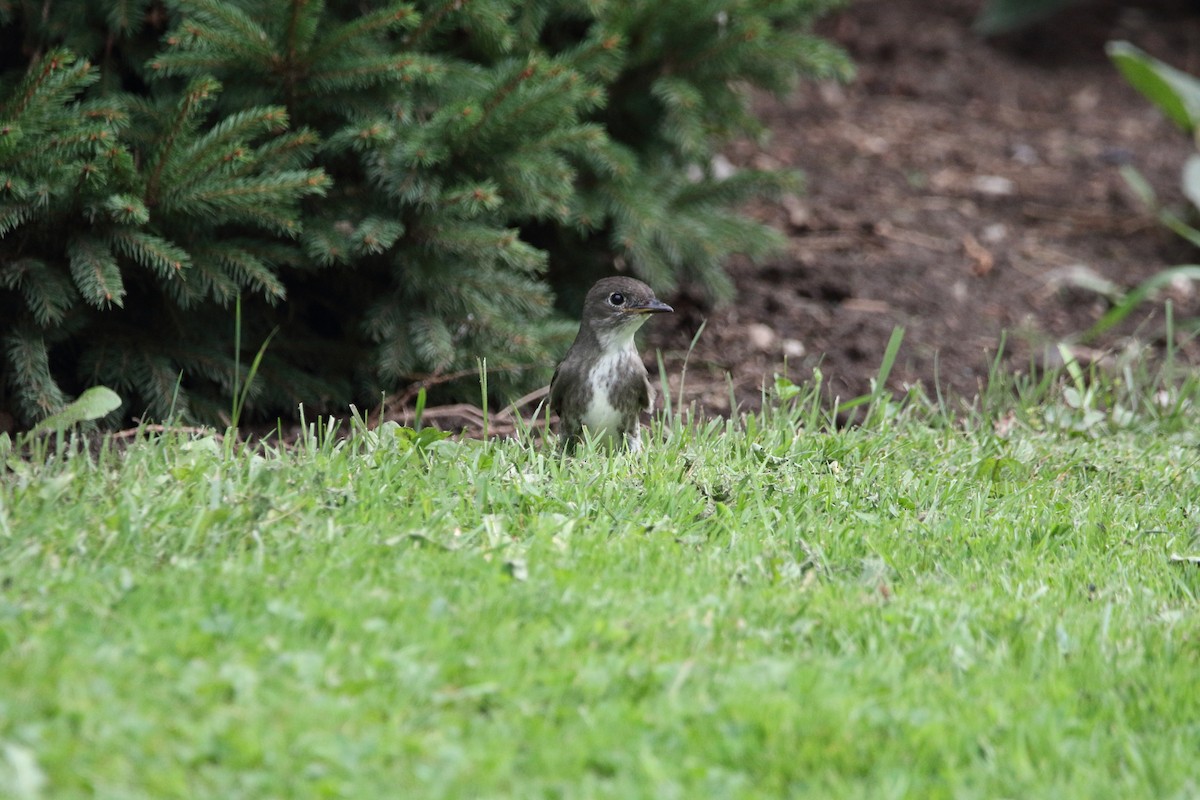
[651,307]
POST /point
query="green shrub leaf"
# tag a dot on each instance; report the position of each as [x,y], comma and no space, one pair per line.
[1176,93]
[97,402]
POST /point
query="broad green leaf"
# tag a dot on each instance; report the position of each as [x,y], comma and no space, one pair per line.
[785,389]
[97,402]
[1176,93]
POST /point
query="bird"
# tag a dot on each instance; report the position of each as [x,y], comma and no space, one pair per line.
[601,384]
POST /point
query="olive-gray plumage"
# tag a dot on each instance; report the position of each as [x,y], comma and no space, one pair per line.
[601,383]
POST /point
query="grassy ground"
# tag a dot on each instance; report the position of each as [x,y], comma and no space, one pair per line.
[912,608]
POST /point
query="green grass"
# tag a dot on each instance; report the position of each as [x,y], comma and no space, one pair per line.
[913,608]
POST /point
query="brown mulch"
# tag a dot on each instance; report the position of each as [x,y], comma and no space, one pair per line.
[961,188]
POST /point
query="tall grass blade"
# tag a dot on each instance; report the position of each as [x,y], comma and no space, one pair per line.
[1138,295]
[885,370]
[683,369]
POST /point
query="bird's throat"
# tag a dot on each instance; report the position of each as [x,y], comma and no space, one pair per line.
[619,339]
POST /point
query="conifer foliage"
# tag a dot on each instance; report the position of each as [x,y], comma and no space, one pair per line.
[385,184]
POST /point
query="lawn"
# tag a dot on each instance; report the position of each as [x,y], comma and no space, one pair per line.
[926,605]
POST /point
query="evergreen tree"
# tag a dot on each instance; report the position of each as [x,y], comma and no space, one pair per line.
[386,187]
[123,221]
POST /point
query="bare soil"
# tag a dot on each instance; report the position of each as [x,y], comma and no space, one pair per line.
[962,188]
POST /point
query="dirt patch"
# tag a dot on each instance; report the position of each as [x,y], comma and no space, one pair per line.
[960,188]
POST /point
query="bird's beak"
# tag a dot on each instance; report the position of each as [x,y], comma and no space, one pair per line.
[651,307]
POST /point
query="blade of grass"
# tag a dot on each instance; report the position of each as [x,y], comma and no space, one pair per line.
[419,410]
[240,398]
[686,357]
[885,369]
[665,387]
[1138,295]
[483,390]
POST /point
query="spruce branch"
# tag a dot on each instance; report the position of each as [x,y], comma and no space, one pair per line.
[737,188]
[224,148]
[210,275]
[349,73]
[10,137]
[48,294]
[283,152]
[83,140]
[683,101]
[474,199]
[163,258]
[586,139]
[433,340]
[430,21]
[95,271]
[226,27]
[252,272]
[125,17]
[188,62]
[710,59]
[28,362]
[39,86]
[255,200]
[375,235]
[386,20]
[15,186]
[156,377]
[13,215]
[292,45]
[531,69]
[326,245]
[600,56]
[126,209]
[197,93]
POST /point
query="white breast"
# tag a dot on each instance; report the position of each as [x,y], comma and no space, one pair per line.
[600,417]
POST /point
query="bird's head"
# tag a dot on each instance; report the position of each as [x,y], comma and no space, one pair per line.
[616,307]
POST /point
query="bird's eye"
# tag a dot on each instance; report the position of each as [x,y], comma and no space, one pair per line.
[616,299]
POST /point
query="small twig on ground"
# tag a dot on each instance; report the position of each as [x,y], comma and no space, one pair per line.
[984,261]
[419,382]
[915,238]
[129,433]
[470,417]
